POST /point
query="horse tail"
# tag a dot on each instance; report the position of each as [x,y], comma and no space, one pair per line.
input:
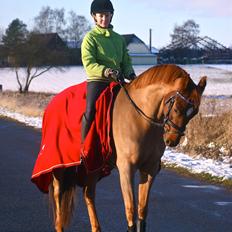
[67,205]
[67,198]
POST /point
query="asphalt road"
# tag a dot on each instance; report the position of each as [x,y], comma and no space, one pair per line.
[177,204]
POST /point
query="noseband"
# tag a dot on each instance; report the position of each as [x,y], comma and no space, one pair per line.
[170,101]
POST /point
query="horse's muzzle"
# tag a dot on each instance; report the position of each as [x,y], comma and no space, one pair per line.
[171,140]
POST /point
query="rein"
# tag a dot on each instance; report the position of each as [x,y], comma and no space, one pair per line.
[147,118]
[167,120]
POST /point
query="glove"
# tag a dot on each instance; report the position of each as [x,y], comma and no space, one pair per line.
[131,77]
[114,74]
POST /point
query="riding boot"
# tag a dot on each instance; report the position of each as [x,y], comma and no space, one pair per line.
[141,226]
[85,126]
[131,228]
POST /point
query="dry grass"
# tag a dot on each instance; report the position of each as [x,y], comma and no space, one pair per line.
[30,104]
[209,133]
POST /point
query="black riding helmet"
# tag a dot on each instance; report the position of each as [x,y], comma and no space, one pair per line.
[100,6]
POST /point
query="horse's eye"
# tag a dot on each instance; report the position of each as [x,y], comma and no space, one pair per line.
[176,111]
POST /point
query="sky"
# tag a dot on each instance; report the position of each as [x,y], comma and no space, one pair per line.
[138,16]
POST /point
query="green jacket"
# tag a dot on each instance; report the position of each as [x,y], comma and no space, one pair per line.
[103,48]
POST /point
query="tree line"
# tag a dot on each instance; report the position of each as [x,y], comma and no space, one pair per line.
[70,26]
[32,50]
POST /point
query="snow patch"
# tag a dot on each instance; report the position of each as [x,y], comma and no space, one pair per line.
[199,164]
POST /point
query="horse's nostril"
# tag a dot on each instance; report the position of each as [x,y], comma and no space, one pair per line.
[168,142]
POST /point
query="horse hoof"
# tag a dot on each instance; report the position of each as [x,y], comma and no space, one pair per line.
[131,228]
[141,226]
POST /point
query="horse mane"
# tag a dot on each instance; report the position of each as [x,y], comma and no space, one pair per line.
[167,73]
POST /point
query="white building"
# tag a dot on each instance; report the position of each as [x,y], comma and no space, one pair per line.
[139,51]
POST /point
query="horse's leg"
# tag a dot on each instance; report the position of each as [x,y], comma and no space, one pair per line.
[57,185]
[89,196]
[143,196]
[145,184]
[126,172]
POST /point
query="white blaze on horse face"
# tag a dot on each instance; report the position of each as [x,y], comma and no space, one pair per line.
[189,112]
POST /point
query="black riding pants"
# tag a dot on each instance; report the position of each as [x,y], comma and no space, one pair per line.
[94,89]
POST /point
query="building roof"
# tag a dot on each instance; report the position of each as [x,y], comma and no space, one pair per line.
[51,40]
[132,38]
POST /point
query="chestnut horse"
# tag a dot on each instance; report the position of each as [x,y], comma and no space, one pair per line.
[149,114]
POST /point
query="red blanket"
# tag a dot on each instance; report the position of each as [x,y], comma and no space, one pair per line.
[61,135]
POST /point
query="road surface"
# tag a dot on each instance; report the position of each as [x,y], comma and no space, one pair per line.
[177,204]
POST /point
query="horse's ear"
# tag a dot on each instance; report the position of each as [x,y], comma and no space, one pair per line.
[201,85]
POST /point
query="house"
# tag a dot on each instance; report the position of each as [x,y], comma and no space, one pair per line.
[139,51]
[49,47]
[72,44]
[49,40]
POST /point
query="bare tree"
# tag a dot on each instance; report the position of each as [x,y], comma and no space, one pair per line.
[37,58]
[50,21]
[59,21]
[32,53]
[77,27]
[44,21]
[53,20]
[185,34]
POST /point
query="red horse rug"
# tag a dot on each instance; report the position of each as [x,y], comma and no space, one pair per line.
[61,134]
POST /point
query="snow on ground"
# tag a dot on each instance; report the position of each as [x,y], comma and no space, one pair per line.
[29,121]
[219,83]
[219,78]
[199,164]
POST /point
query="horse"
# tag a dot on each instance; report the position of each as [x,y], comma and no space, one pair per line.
[148,114]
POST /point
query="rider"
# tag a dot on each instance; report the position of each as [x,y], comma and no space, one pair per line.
[105,58]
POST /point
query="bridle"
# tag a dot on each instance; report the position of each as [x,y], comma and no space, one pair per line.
[170,102]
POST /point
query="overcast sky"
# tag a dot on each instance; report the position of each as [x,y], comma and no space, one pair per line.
[137,16]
